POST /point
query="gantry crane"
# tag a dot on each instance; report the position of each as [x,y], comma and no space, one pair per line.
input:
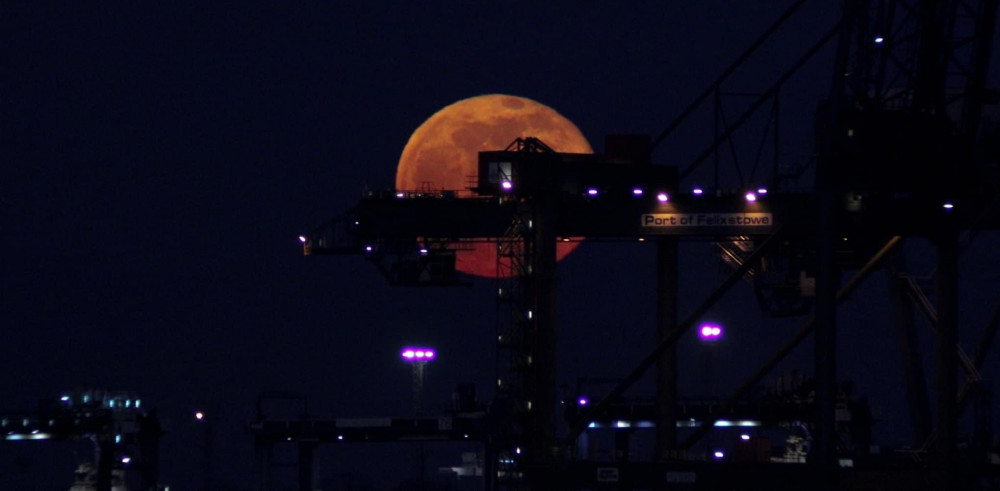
[901,152]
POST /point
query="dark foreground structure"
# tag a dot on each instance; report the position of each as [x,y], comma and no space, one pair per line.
[903,151]
[125,435]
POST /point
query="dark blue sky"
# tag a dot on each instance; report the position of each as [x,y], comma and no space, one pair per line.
[159,159]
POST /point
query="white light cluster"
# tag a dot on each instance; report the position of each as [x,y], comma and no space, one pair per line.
[418,354]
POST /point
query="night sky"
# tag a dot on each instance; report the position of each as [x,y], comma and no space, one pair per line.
[158,161]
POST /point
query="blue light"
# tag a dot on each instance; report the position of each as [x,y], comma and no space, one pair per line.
[27,436]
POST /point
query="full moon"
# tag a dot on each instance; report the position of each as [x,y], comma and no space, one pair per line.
[443,153]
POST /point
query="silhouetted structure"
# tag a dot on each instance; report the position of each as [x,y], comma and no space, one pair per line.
[901,152]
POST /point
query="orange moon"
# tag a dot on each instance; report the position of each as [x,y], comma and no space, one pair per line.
[443,153]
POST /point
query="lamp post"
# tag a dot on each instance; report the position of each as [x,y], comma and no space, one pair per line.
[417,357]
[710,333]
[205,421]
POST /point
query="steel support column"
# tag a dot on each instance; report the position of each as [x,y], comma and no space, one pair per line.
[541,386]
[263,451]
[946,339]
[307,465]
[824,450]
[666,364]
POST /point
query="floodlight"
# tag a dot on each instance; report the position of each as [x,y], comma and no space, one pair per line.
[412,354]
[710,332]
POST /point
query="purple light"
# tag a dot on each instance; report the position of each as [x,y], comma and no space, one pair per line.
[761,190]
[662,197]
[719,455]
[697,191]
[710,332]
[751,197]
[417,354]
[369,248]
[948,205]
[636,191]
[592,191]
[582,401]
[506,185]
[423,251]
